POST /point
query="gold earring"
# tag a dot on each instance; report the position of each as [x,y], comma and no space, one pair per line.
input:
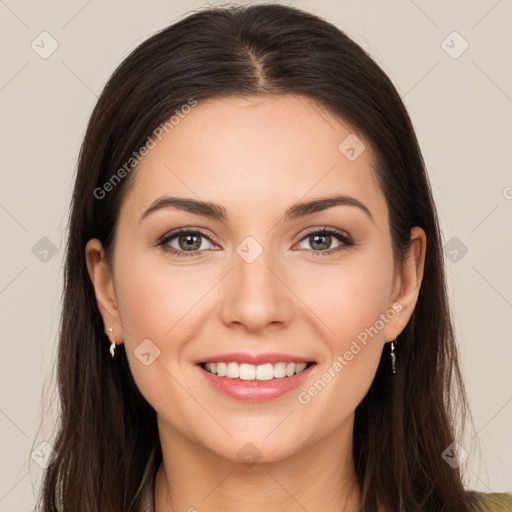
[113,344]
[393,356]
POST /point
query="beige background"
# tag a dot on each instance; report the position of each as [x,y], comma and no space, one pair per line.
[461,109]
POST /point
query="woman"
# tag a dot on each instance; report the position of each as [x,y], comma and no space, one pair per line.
[255,314]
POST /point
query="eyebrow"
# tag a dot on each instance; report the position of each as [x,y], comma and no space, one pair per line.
[218,212]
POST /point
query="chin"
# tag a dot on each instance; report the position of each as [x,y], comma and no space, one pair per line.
[254,450]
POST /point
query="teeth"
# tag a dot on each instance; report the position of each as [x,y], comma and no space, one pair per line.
[245,371]
[264,371]
[233,371]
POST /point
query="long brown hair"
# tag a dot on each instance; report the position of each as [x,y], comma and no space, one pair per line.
[405,422]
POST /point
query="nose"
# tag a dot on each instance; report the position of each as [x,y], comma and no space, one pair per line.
[256,296]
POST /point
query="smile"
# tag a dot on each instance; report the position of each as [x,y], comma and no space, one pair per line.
[255,383]
[251,372]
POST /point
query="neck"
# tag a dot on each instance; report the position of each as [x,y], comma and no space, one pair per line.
[192,478]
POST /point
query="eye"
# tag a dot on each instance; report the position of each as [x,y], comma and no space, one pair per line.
[186,241]
[322,239]
[189,242]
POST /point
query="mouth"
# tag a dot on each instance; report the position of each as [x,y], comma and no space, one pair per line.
[253,377]
[251,372]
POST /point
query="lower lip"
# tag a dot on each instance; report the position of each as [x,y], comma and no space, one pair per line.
[256,390]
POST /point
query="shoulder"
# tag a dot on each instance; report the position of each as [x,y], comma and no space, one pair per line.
[493,502]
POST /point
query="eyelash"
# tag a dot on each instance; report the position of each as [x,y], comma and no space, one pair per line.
[338,234]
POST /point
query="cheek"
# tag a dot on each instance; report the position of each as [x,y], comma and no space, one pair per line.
[161,305]
[155,299]
[351,304]
[348,298]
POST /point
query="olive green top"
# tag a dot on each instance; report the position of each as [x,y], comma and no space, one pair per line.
[487,502]
[494,502]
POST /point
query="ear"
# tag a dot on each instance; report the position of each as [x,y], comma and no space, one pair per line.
[407,283]
[103,284]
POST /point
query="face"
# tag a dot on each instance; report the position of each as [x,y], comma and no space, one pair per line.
[318,285]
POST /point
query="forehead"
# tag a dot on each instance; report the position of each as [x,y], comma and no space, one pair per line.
[255,153]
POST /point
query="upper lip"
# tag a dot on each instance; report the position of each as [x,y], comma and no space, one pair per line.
[255,359]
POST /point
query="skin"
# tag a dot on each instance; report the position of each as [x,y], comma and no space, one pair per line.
[255,156]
